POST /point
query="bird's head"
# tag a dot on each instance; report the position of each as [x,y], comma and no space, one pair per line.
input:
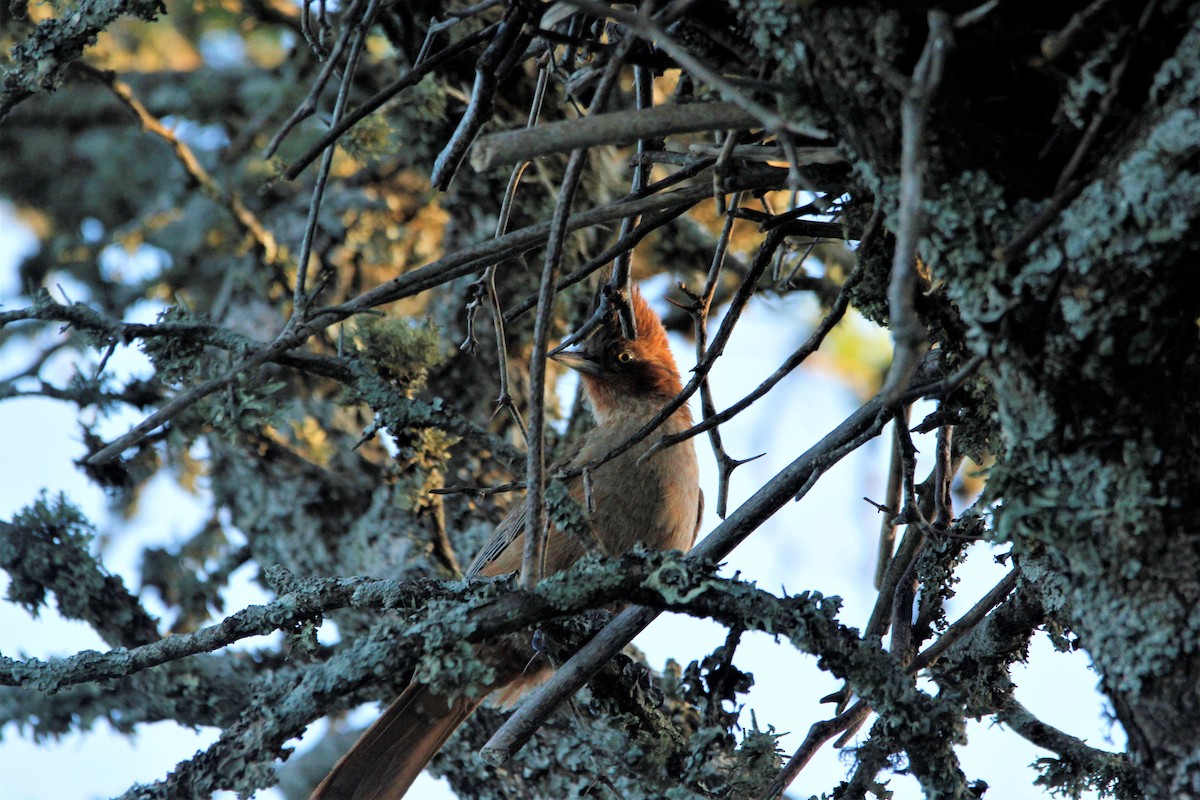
[622,375]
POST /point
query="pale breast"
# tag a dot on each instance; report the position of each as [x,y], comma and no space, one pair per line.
[654,502]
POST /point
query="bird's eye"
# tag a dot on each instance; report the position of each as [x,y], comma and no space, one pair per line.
[625,356]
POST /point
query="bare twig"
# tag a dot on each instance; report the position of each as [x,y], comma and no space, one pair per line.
[1039,222]
[481,491]
[535,477]
[505,398]
[700,309]
[510,38]
[944,471]
[891,499]
[535,515]
[620,283]
[818,734]
[405,81]
[332,60]
[810,346]
[186,399]
[648,28]
[300,300]
[906,329]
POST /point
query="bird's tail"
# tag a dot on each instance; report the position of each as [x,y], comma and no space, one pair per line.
[390,754]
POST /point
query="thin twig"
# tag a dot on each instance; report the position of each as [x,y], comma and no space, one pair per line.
[944,471]
[405,81]
[505,398]
[620,282]
[535,478]
[648,29]
[891,499]
[907,332]
[300,300]
[481,491]
[511,37]
[818,734]
[700,310]
[798,356]
[535,525]
[332,60]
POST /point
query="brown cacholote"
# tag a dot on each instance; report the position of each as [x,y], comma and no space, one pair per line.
[655,503]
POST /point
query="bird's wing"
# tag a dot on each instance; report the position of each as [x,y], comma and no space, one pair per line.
[506,532]
[513,525]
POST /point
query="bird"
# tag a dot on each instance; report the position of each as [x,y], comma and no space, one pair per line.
[653,502]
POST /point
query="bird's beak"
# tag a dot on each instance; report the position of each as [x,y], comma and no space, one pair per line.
[578,362]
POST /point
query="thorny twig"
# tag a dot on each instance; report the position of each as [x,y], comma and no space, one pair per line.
[504,399]
[701,305]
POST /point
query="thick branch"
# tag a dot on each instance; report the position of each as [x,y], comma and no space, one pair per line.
[616,128]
